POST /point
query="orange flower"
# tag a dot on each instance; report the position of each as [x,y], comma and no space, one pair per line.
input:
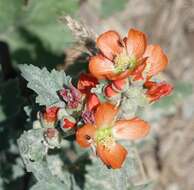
[157,90]
[85,84]
[119,58]
[106,130]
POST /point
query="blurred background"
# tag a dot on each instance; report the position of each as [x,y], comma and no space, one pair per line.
[30,32]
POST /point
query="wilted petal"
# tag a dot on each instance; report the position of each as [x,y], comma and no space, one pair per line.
[85,134]
[75,93]
[156,58]
[100,66]
[136,43]
[130,129]
[88,117]
[112,156]
[109,44]
[105,115]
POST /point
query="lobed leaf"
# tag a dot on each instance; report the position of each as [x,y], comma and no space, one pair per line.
[45,84]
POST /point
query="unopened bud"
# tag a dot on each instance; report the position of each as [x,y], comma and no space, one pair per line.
[52,137]
[109,92]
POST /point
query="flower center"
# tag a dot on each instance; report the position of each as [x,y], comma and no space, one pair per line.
[104,135]
[123,62]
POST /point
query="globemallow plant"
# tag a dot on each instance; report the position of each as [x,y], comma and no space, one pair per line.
[84,133]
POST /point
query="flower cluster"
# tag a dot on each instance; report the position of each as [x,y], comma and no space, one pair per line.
[122,75]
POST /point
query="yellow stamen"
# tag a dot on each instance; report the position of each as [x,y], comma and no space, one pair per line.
[124,62]
[104,136]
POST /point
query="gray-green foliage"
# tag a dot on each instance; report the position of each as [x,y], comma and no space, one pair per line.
[33,150]
[46,84]
[51,171]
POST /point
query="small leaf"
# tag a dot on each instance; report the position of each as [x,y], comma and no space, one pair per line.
[45,84]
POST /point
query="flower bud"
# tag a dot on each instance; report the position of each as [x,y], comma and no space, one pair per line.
[119,85]
[50,116]
[67,123]
[157,90]
[109,92]
[52,137]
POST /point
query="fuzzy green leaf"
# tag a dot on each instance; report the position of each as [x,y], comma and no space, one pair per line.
[45,84]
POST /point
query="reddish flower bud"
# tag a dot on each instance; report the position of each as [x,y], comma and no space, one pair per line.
[50,115]
[92,102]
[109,91]
[157,90]
[119,84]
[67,124]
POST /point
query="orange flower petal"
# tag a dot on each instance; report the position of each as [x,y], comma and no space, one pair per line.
[136,43]
[92,101]
[86,82]
[130,129]
[85,134]
[105,115]
[113,156]
[157,59]
[100,66]
[109,44]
